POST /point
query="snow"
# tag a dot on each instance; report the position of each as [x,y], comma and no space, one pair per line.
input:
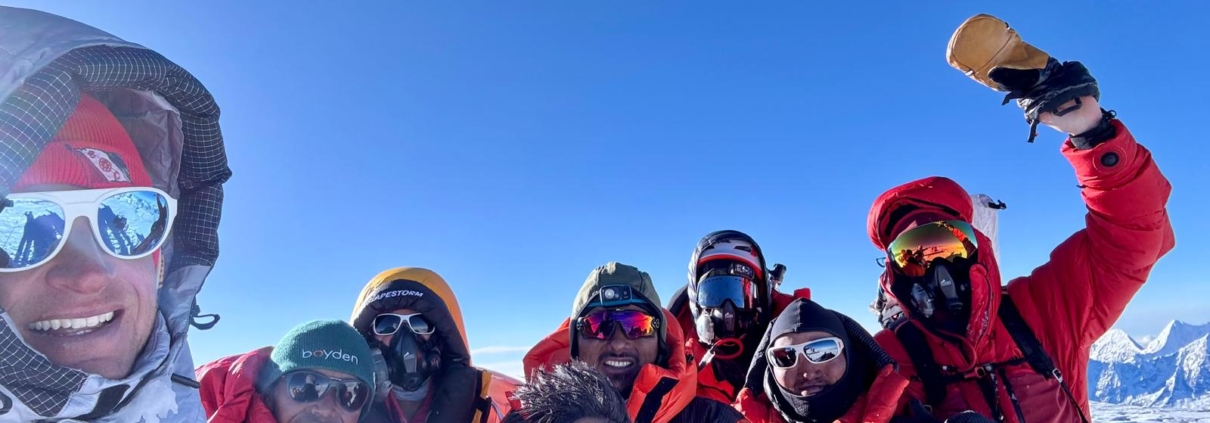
[1174,336]
[1171,372]
[1106,413]
[1115,347]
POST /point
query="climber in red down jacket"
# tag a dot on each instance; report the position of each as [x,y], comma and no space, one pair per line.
[727,304]
[1019,353]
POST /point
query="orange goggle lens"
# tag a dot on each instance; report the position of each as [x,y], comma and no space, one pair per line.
[914,250]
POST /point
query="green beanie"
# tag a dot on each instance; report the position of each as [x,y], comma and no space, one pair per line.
[325,344]
[613,274]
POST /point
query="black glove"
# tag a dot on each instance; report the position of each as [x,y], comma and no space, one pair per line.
[917,413]
[1046,89]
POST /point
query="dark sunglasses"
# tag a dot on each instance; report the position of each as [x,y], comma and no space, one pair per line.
[307,386]
[635,324]
[818,351]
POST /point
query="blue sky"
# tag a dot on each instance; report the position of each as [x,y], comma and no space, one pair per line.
[514,146]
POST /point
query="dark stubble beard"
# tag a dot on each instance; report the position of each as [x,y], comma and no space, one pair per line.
[625,382]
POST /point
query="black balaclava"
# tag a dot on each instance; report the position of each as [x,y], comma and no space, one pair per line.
[826,406]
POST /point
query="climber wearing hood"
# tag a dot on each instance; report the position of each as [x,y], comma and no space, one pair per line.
[106,146]
[618,327]
[817,365]
[321,371]
[1019,353]
[411,319]
[728,302]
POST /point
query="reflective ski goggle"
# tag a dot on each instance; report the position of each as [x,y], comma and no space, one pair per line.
[714,291]
[912,251]
[128,223]
[389,323]
[818,351]
[635,324]
[307,386]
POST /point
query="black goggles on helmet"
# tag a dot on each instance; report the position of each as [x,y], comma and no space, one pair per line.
[714,291]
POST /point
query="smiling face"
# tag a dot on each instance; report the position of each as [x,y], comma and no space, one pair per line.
[619,358]
[85,308]
[805,378]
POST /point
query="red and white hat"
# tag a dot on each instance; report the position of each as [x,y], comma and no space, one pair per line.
[91,150]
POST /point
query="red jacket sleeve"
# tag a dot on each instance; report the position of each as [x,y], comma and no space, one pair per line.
[213,379]
[1092,275]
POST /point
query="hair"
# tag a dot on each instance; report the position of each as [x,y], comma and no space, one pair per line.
[568,393]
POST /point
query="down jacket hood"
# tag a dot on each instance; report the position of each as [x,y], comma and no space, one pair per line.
[945,198]
[426,292]
[46,61]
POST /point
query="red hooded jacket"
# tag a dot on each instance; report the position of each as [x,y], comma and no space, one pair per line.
[1068,302]
[228,388]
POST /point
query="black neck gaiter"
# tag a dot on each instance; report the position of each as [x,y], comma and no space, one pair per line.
[831,403]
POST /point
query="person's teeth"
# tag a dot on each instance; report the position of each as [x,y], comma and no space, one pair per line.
[617,363]
[76,323]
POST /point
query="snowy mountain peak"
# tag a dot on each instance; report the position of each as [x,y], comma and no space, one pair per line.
[1173,370]
[1115,347]
[1175,335]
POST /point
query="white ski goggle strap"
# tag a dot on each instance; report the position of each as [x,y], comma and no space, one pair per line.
[128,223]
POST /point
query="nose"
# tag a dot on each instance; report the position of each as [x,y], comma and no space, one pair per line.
[618,341]
[326,407]
[81,266]
[810,370]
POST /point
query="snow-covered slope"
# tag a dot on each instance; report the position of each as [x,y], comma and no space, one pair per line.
[1171,371]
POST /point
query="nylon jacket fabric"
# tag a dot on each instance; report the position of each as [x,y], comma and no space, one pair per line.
[229,388]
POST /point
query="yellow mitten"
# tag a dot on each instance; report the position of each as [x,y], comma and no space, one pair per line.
[983,43]
[990,52]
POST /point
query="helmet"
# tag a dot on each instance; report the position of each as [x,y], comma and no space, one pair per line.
[729,285]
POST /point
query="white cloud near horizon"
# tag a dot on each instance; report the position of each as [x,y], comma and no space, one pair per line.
[498,349]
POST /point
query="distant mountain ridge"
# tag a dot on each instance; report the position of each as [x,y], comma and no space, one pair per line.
[1172,370]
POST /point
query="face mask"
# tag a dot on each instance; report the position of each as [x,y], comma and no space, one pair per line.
[411,361]
[941,298]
